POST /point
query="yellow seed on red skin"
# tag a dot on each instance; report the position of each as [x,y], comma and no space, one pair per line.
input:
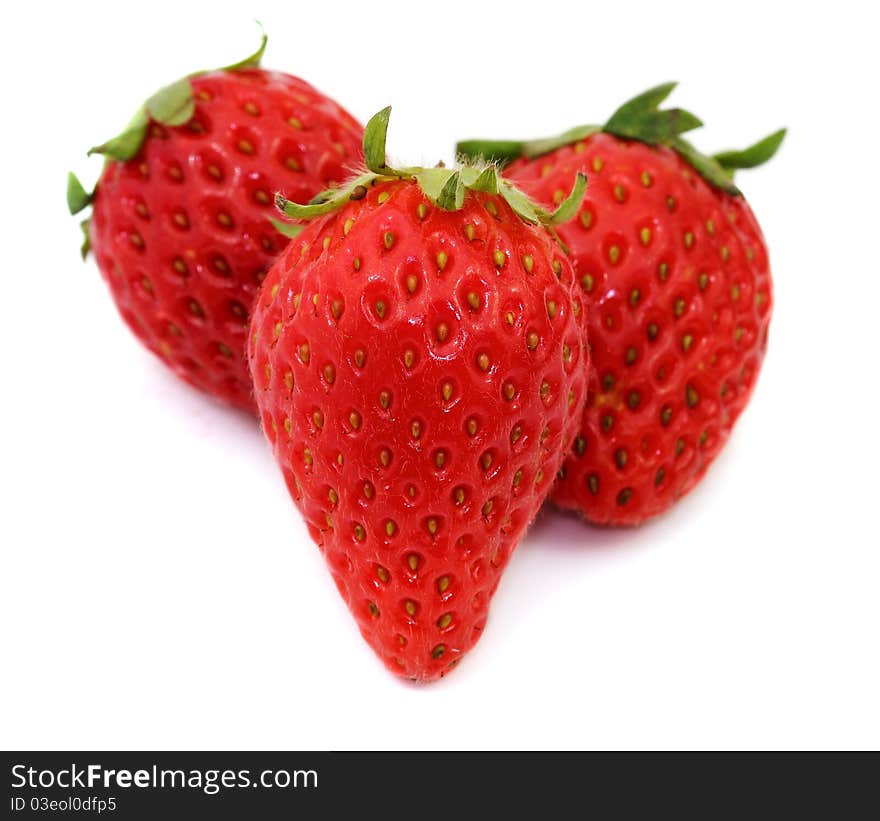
[442,259]
[443,584]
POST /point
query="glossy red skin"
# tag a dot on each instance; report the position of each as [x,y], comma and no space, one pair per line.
[326,467]
[639,466]
[163,209]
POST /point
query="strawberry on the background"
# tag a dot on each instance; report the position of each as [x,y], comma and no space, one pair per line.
[675,269]
[182,224]
[419,367]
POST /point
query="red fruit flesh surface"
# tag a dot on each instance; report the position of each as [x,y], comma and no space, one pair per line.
[420,375]
[182,232]
[677,279]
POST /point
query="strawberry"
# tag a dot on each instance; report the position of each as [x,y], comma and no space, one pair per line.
[418,367]
[675,268]
[182,222]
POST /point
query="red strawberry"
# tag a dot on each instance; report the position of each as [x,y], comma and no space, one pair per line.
[182,223]
[418,365]
[675,267]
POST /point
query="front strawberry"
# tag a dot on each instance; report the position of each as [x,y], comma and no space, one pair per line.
[418,364]
[182,225]
[676,272]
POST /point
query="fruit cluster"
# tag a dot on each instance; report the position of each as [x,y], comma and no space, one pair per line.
[434,352]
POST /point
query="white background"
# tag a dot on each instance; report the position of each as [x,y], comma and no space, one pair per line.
[158,589]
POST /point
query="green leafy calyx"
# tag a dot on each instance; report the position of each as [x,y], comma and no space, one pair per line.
[642,119]
[173,105]
[445,187]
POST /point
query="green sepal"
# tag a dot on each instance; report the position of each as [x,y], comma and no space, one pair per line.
[505,151]
[501,151]
[754,155]
[535,148]
[77,196]
[431,181]
[375,135]
[521,204]
[567,209]
[285,228]
[327,201]
[641,118]
[252,60]
[126,145]
[173,105]
[445,187]
[486,181]
[707,167]
[452,194]
[86,243]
